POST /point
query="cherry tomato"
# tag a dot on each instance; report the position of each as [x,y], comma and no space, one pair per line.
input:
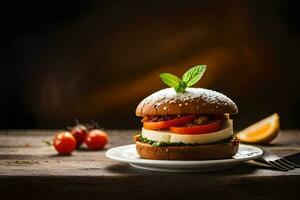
[79,132]
[64,143]
[96,139]
[168,123]
[201,129]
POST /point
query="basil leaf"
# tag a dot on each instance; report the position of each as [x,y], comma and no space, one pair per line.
[181,87]
[189,78]
[193,75]
[170,79]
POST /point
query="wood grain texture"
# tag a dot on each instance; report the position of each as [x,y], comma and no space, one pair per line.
[31,170]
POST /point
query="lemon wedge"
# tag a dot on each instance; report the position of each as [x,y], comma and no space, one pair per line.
[263,131]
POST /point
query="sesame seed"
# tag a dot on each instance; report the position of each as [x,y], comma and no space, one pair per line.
[205,96]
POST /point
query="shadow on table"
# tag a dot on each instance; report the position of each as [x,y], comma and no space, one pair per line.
[59,155]
[126,168]
[85,149]
[242,169]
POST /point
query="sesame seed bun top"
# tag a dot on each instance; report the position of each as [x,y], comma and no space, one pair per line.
[192,101]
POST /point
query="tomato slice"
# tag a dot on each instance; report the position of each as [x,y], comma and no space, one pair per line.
[201,129]
[168,123]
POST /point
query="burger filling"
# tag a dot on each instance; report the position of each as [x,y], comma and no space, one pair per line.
[142,139]
[185,130]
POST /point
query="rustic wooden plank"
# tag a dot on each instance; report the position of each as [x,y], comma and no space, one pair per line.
[24,152]
[175,186]
[29,169]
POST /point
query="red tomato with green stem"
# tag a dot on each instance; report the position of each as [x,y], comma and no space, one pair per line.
[79,132]
[96,139]
[64,143]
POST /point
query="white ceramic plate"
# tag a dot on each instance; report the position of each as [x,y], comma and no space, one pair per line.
[129,155]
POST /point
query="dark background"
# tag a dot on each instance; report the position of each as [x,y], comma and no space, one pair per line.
[96,60]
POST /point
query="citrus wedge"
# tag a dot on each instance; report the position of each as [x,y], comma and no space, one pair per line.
[263,131]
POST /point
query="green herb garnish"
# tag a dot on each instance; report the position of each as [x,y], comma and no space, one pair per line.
[175,144]
[189,78]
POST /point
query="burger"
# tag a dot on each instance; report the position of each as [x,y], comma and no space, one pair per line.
[187,123]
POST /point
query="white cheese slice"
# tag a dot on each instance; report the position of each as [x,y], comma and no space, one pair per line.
[159,136]
[167,136]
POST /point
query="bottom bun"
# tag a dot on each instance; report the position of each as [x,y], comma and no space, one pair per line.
[201,152]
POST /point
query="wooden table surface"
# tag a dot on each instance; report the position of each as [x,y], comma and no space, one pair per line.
[29,169]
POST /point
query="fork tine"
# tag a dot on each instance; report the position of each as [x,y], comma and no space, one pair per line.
[278,166]
[284,164]
[289,162]
[271,164]
[263,160]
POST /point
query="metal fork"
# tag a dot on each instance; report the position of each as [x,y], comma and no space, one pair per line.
[275,161]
